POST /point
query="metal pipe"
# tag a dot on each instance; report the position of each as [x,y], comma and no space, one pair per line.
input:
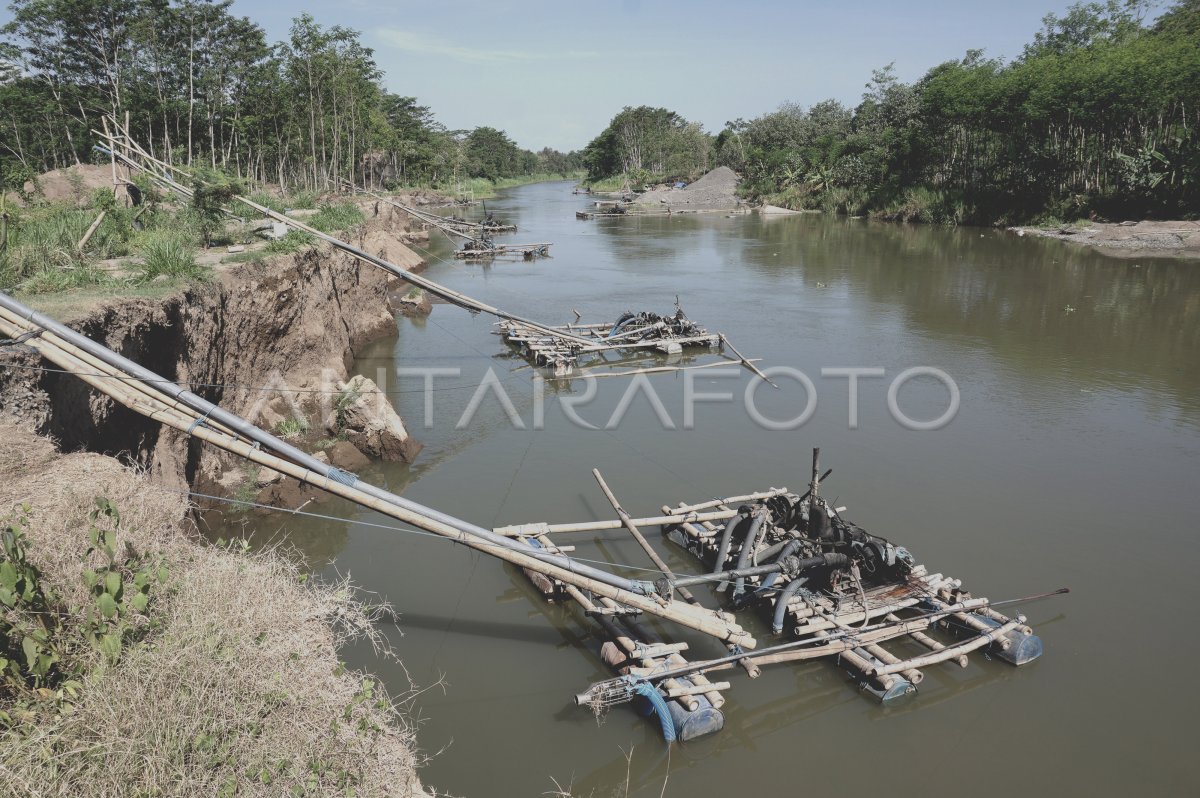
[748,547]
[209,410]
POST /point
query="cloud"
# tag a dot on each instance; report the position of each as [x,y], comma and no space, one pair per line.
[431,45]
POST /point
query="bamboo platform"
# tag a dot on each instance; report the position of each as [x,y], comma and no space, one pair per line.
[484,249]
[579,342]
[826,588]
[615,212]
[489,226]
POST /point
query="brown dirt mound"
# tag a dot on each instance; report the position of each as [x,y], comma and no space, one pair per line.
[74,184]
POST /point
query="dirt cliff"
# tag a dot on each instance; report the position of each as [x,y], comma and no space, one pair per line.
[294,321]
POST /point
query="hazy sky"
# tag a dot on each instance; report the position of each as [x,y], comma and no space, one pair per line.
[554,73]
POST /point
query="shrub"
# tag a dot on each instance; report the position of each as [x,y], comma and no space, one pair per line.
[168,253]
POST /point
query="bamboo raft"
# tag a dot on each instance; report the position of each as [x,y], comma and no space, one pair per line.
[585,215]
[830,588]
[487,225]
[484,248]
[641,331]
[826,587]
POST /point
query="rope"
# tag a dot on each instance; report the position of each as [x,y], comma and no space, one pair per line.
[22,338]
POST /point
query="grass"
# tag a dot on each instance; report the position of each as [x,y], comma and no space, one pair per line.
[483,188]
[235,687]
[169,254]
[334,217]
[300,200]
[42,252]
[292,427]
[615,183]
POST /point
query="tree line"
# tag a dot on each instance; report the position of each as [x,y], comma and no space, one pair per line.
[202,85]
[1099,115]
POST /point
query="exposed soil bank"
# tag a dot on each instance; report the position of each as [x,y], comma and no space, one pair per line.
[1139,238]
[236,688]
[294,321]
[229,680]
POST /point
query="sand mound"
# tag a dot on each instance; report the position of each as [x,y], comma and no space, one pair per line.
[75,183]
[717,190]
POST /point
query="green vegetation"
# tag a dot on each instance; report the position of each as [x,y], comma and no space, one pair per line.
[167,253]
[647,144]
[1099,115]
[203,86]
[292,427]
[334,216]
[47,646]
[137,661]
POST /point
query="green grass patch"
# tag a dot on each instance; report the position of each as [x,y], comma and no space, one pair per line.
[167,253]
[300,200]
[615,183]
[337,216]
[292,427]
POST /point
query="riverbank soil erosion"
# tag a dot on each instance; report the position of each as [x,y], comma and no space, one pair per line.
[271,340]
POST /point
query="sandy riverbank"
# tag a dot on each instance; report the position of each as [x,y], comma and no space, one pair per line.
[1181,239]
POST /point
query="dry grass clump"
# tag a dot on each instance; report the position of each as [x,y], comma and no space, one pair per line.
[235,689]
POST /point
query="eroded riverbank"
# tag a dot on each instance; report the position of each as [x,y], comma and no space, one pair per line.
[229,660]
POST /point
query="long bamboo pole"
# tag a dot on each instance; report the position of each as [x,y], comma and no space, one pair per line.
[195,425]
[451,296]
[209,410]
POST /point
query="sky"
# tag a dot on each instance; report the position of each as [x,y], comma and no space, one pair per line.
[552,74]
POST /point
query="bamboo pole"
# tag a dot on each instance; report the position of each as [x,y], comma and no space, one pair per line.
[927,641]
[658,561]
[90,231]
[950,652]
[194,425]
[747,363]
[749,497]
[451,296]
[652,370]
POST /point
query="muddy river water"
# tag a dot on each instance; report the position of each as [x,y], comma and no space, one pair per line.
[1073,459]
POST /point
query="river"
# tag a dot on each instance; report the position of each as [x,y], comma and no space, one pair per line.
[1073,460]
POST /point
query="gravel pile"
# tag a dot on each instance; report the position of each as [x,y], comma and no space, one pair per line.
[717,190]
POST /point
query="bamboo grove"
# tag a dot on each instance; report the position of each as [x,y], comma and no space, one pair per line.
[201,85]
[1098,116]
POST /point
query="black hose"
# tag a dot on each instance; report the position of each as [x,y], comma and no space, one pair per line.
[830,559]
[749,544]
[726,535]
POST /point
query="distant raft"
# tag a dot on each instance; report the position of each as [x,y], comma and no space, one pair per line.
[483,248]
[667,335]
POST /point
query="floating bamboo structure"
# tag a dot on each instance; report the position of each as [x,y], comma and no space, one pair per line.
[121,147]
[484,248]
[828,589]
[666,335]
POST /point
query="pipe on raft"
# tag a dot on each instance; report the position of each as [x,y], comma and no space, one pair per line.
[659,704]
[748,547]
[211,411]
[830,559]
[726,536]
